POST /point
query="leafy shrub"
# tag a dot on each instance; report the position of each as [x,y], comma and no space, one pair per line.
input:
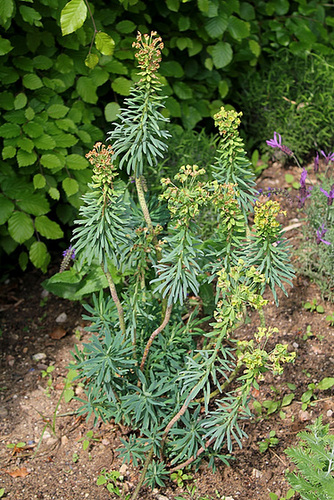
[315,252]
[51,85]
[316,258]
[143,366]
[293,96]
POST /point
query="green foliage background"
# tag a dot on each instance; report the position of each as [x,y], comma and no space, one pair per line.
[293,96]
[54,106]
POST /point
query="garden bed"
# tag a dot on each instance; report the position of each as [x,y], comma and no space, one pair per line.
[62,469]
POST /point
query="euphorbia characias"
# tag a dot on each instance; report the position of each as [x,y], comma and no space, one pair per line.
[143,366]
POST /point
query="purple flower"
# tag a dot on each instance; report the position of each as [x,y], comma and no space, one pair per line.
[328,158]
[329,195]
[274,143]
[304,192]
[69,252]
[320,233]
[316,163]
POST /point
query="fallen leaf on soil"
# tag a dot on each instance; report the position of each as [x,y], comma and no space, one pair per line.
[58,333]
[18,472]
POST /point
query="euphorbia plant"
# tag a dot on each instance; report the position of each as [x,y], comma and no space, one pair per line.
[145,366]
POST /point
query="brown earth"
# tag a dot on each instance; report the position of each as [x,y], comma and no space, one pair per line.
[61,469]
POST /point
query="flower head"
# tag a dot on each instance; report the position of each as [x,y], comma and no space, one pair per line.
[316,163]
[68,255]
[320,234]
[329,195]
[304,192]
[148,55]
[70,251]
[328,158]
[274,143]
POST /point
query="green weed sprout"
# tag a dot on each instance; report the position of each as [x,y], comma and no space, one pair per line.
[144,366]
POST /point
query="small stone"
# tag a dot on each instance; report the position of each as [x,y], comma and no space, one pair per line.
[329,413]
[41,366]
[3,412]
[39,356]
[123,469]
[46,435]
[78,390]
[105,442]
[58,333]
[45,294]
[64,440]
[61,318]
[51,441]
[316,349]
[304,416]
[10,360]
[256,473]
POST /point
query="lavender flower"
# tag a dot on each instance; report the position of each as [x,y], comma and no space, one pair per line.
[304,192]
[274,143]
[329,195]
[68,254]
[320,234]
[328,158]
[316,163]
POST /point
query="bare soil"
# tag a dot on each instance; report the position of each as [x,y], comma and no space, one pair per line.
[61,469]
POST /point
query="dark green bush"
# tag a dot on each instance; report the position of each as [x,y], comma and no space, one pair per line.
[293,96]
[58,93]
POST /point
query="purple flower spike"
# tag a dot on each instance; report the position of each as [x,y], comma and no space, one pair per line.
[303,177]
[328,158]
[316,163]
[274,143]
[329,195]
[69,252]
[320,234]
[304,192]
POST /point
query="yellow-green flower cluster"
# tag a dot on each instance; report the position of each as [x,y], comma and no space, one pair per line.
[185,201]
[257,360]
[104,172]
[227,121]
[265,219]
[148,55]
[231,306]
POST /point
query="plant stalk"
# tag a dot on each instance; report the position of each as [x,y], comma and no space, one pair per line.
[191,459]
[143,474]
[143,204]
[223,387]
[154,334]
[115,298]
